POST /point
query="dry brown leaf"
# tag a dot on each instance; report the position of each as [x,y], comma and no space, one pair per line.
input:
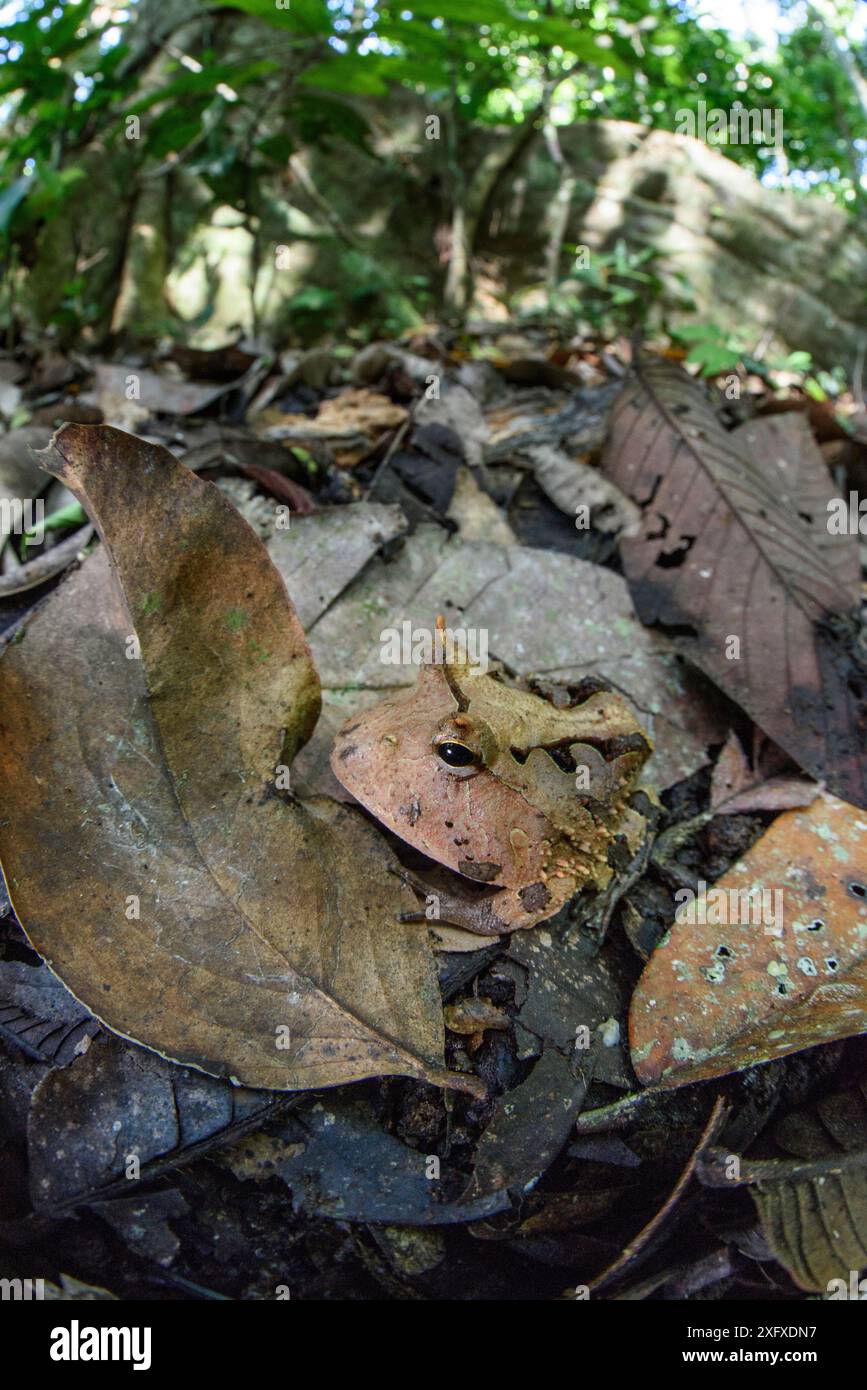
[520,596]
[570,484]
[129,394]
[721,995]
[814,1213]
[722,556]
[817,1224]
[736,787]
[785,449]
[350,423]
[266,946]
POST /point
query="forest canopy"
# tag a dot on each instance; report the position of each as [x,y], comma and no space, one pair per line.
[225,93]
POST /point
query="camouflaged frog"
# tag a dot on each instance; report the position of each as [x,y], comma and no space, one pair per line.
[523,800]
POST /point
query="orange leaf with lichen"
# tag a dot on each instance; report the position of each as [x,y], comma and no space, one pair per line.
[780,965]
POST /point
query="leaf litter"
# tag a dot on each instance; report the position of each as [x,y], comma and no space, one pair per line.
[352,572]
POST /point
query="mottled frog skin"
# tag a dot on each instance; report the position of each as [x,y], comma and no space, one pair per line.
[498,785]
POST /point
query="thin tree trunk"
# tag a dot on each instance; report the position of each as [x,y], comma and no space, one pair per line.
[558,216]
[469,208]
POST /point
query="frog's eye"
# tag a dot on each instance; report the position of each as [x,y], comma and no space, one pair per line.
[456,755]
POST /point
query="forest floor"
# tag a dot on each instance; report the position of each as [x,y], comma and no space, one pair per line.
[504,477]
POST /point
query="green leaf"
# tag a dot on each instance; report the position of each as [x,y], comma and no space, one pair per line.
[64,519]
[699,332]
[713,358]
[11,196]
[812,388]
[352,73]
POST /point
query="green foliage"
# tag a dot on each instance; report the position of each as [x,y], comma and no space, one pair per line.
[73,73]
[712,349]
[715,351]
[372,300]
[64,519]
[607,291]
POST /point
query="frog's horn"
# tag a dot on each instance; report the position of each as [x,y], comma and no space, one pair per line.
[456,667]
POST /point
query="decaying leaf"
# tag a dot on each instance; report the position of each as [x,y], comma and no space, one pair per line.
[722,556]
[200,911]
[427,465]
[531,1124]
[784,447]
[476,514]
[129,394]
[340,1163]
[143,1223]
[736,787]
[813,1207]
[780,965]
[40,1016]
[318,560]
[570,483]
[459,411]
[101,1124]
[817,1225]
[350,423]
[572,989]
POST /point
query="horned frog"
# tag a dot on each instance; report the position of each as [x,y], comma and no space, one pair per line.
[523,801]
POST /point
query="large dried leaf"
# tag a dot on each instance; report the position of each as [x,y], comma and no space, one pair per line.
[544,613]
[718,996]
[785,450]
[817,1225]
[128,394]
[722,555]
[155,778]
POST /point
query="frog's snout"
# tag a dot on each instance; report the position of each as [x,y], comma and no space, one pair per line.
[351,760]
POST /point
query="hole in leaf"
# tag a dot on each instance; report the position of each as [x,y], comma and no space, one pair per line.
[672,559]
